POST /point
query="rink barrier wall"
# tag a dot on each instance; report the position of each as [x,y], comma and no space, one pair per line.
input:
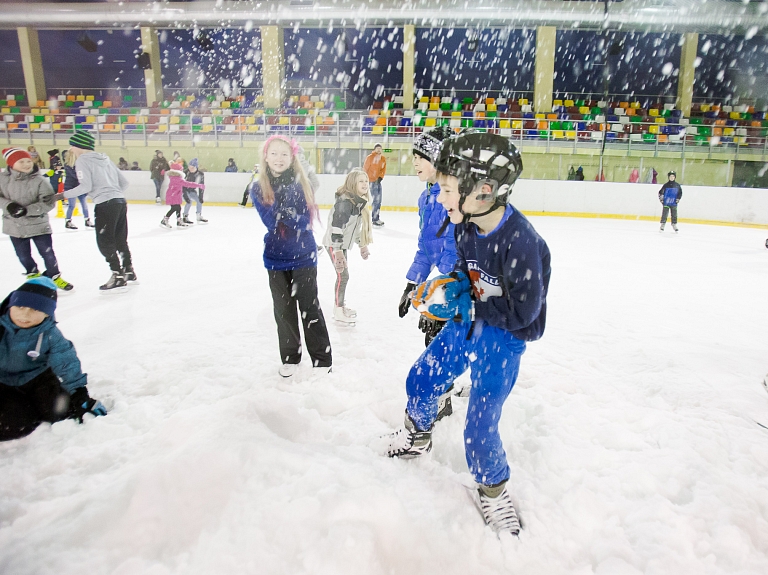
[700,204]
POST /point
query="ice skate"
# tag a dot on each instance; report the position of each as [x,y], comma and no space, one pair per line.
[157,200]
[201,219]
[444,407]
[407,442]
[661,228]
[341,315]
[187,221]
[88,223]
[321,370]
[69,225]
[674,227]
[165,224]
[497,508]
[350,312]
[130,276]
[61,283]
[180,223]
[287,369]
[378,223]
[115,283]
[33,274]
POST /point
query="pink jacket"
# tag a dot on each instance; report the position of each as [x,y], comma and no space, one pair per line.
[176,185]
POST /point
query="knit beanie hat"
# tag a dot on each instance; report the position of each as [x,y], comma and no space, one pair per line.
[192,163]
[178,166]
[427,144]
[13,155]
[37,293]
[82,139]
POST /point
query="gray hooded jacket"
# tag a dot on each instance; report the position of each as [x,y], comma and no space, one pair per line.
[99,178]
[34,192]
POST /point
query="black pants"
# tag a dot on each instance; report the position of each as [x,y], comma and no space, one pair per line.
[44,245]
[664,213]
[112,233]
[175,208]
[289,289]
[246,195]
[23,408]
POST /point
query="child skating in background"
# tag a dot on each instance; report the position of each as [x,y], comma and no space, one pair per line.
[40,375]
[194,175]
[349,222]
[437,246]
[247,192]
[66,179]
[173,194]
[669,196]
[285,202]
[26,197]
[494,302]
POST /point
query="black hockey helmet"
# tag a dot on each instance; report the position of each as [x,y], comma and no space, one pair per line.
[671,173]
[477,158]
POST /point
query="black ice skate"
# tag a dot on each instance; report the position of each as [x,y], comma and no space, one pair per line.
[408,442]
[69,225]
[130,275]
[444,407]
[187,221]
[88,223]
[116,282]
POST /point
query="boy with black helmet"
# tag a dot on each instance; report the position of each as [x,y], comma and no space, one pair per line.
[669,196]
[496,299]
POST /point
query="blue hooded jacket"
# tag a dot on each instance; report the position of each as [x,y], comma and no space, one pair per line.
[56,353]
[433,251]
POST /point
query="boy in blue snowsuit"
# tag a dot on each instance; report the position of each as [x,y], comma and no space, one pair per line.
[669,196]
[437,247]
[40,375]
[495,301]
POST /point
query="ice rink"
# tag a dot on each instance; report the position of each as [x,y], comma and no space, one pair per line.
[631,431]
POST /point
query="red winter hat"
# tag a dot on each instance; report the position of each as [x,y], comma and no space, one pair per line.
[13,155]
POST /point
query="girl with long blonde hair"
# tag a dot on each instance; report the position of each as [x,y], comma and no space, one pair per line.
[285,201]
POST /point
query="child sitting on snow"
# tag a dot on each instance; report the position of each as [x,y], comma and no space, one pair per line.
[40,375]
[349,222]
[493,302]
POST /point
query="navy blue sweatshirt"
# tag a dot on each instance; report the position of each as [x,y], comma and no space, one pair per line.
[509,269]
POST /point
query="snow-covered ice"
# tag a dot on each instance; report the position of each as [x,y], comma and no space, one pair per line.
[630,432]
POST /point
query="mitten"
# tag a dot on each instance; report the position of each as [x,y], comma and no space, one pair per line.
[405,299]
[364,252]
[339,261]
[15,210]
[445,297]
[82,403]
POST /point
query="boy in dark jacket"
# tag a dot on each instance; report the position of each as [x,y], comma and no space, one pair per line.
[494,302]
[669,196]
[40,375]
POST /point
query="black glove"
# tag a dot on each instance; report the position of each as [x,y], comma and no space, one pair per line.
[430,327]
[15,210]
[379,180]
[81,403]
[405,300]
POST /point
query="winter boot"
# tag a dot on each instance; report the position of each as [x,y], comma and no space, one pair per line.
[130,275]
[444,407]
[498,510]
[674,227]
[61,283]
[187,221]
[341,315]
[408,442]
[201,219]
[69,225]
[116,281]
[165,224]
[88,223]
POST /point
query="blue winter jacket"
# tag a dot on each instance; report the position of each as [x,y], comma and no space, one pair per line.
[670,194]
[56,353]
[289,243]
[433,251]
[509,269]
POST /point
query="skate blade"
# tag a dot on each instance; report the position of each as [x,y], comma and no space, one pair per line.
[344,323]
[475,498]
[115,291]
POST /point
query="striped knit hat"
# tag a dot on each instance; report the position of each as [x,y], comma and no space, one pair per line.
[82,139]
[13,155]
[37,293]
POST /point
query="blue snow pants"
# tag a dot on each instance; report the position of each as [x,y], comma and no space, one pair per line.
[493,356]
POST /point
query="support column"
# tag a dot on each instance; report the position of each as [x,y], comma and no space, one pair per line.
[687,73]
[153,77]
[409,64]
[543,83]
[32,64]
[272,65]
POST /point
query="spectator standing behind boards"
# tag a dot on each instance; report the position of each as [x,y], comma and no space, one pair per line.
[177,158]
[634,177]
[135,167]
[600,177]
[651,177]
[157,168]
[669,196]
[571,174]
[122,164]
[376,167]
[579,174]
[231,166]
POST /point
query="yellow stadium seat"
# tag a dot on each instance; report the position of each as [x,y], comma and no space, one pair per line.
[584,110]
[504,124]
[653,129]
[570,134]
[430,122]
[661,120]
[557,103]
[540,116]
[558,134]
[377,130]
[568,103]
[653,112]
[523,101]
[517,124]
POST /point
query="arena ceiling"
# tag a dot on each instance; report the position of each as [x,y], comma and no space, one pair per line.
[705,16]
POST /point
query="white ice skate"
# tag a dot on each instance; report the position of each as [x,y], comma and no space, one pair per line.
[408,442]
[344,316]
[498,512]
[287,369]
